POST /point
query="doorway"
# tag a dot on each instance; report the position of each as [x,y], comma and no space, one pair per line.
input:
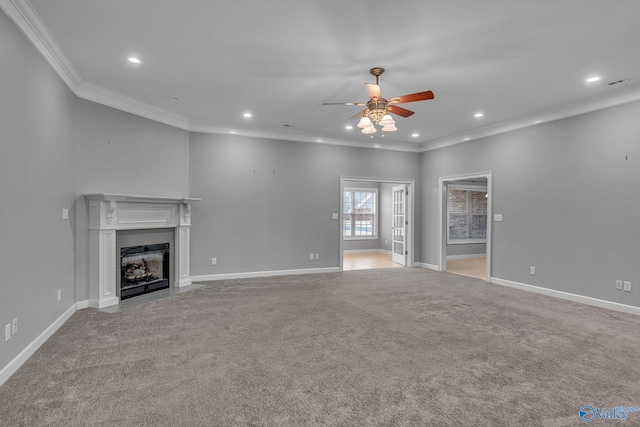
[465,225]
[375,225]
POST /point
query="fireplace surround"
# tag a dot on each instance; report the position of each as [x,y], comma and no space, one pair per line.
[110,213]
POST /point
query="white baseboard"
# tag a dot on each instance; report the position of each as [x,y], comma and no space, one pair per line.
[466,256]
[81,305]
[253,274]
[569,296]
[428,266]
[25,354]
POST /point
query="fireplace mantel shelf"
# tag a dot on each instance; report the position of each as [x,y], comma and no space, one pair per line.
[111,212]
[138,198]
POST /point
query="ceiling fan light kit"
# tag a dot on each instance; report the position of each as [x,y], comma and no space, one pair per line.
[378,109]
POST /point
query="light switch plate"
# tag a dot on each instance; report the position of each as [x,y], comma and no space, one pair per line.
[627,286]
[497,217]
[335,216]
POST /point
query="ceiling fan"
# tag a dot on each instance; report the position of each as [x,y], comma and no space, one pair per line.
[378,108]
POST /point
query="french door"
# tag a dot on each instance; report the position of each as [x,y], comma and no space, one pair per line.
[399,254]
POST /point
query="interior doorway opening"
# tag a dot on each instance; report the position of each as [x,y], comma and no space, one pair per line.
[465,225]
[376,223]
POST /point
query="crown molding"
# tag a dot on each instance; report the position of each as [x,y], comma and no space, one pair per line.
[27,19]
[298,136]
[623,95]
[116,100]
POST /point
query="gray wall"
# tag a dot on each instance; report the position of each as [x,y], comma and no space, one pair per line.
[569,199]
[118,152]
[36,183]
[267,204]
[467,249]
[386,216]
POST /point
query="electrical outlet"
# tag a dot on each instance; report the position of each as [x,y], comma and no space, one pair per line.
[532,271]
[65,213]
[497,218]
[14,324]
[334,215]
[7,332]
[386,242]
[310,257]
[627,286]
[619,285]
[59,294]
[214,261]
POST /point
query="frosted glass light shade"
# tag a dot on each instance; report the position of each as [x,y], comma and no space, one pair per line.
[365,122]
[386,120]
[389,128]
[369,130]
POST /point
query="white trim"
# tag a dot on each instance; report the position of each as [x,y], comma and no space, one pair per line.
[30,349]
[569,109]
[427,266]
[467,256]
[81,305]
[27,19]
[116,100]
[442,198]
[252,274]
[568,296]
[411,214]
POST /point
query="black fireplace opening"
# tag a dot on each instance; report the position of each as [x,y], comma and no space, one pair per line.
[143,269]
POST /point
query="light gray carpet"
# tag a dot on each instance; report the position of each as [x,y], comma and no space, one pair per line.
[397,347]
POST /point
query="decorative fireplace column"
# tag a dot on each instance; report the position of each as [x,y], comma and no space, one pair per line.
[111,212]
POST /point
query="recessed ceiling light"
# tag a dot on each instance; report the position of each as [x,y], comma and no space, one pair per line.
[247,115]
[348,127]
[415,135]
[376,146]
[537,121]
[466,138]
[233,132]
[478,115]
[319,140]
[135,60]
[593,79]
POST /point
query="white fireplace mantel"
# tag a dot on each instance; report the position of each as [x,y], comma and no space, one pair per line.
[109,212]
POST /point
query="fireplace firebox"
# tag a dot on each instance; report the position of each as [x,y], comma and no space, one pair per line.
[143,269]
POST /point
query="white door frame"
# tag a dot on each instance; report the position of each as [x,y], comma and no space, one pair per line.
[410,210]
[442,217]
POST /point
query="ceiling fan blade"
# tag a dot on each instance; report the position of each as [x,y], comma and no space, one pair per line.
[345,103]
[372,90]
[414,97]
[358,116]
[402,112]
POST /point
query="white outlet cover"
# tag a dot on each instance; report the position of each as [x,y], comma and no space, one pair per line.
[627,286]
[15,326]
[7,332]
[619,285]
[497,217]
[335,216]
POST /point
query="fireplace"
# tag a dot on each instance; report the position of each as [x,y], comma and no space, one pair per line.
[111,214]
[143,269]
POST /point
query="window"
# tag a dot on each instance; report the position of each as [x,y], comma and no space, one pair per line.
[467,215]
[359,213]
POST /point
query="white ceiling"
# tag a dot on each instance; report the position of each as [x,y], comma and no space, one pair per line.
[516,61]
